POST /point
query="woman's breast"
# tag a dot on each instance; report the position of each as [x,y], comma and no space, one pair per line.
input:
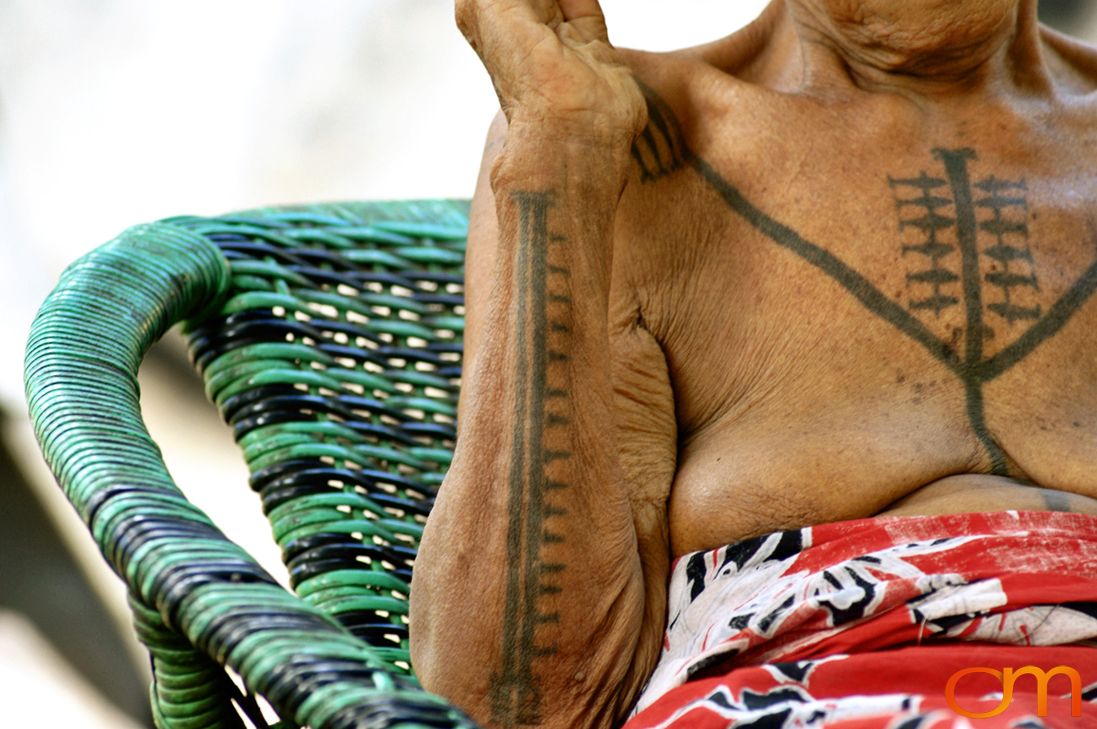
[809,421]
[817,452]
[756,478]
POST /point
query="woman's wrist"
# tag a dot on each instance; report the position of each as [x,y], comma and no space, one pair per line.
[556,154]
[588,130]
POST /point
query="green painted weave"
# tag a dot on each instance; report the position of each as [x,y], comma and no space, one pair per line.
[329,337]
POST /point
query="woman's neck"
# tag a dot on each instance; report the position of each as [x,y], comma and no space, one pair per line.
[921,47]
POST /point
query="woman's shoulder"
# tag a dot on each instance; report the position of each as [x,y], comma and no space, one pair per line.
[1073,62]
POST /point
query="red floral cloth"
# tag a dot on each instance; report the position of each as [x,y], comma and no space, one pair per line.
[860,625]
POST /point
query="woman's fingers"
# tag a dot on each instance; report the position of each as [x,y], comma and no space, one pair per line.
[479,19]
[551,59]
[503,26]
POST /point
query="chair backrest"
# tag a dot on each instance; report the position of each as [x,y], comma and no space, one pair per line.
[331,343]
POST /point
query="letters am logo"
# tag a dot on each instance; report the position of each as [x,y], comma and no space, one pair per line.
[1008,676]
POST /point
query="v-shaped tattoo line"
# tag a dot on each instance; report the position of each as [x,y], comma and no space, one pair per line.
[973,370]
[853,282]
[1056,317]
[878,303]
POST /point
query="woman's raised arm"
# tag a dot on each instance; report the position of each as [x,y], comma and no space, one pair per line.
[530,604]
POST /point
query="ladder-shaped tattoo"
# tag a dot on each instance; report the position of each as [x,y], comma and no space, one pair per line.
[1007,204]
[539,464]
[928,223]
[926,207]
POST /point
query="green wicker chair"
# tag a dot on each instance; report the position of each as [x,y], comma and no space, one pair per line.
[329,337]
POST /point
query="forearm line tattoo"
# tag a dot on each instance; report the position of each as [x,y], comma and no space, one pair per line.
[539,460]
[662,150]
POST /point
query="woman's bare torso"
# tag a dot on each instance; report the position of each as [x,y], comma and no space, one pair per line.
[853,272]
[865,305]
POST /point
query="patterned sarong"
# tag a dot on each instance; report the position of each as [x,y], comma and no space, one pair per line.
[861,624]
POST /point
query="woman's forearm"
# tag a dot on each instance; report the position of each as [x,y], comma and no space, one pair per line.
[529,595]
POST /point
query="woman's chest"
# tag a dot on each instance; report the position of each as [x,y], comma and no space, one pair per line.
[826,363]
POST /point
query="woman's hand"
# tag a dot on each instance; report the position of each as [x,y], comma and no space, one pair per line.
[553,67]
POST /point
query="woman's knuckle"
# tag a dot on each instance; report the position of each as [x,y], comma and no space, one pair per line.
[464,12]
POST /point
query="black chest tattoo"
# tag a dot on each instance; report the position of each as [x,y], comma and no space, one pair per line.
[965,245]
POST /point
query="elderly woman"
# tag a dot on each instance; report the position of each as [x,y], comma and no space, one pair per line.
[780,399]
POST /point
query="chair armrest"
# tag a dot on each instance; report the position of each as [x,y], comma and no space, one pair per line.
[190,586]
